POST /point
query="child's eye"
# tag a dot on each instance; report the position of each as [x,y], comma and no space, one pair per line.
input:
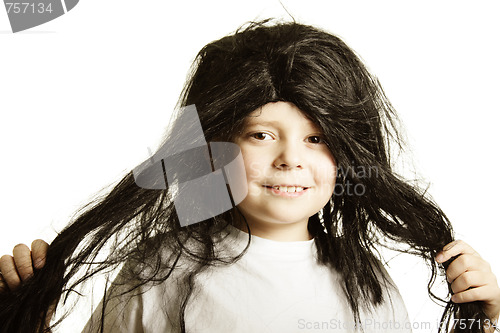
[260,136]
[315,139]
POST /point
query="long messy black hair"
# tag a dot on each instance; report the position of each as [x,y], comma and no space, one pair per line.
[260,63]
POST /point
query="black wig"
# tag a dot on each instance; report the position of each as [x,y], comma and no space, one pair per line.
[231,77]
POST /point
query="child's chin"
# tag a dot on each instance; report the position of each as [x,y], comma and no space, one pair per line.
[288,215]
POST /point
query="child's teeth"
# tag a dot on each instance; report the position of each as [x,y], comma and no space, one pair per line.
[289,188]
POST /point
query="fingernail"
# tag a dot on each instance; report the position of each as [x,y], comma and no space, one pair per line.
[439,257]
[453,298]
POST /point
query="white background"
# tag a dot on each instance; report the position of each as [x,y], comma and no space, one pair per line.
[83,96]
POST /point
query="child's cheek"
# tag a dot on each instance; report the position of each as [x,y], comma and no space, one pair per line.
[253,171]
[255,191]
[325,175]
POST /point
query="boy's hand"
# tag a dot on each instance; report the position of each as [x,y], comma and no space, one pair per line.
[19,267]
[471,278]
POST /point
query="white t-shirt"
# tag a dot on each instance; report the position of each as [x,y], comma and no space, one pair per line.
[275,287]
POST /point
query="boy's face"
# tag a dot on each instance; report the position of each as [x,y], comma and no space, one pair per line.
[290,171]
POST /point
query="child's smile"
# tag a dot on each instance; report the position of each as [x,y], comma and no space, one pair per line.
[287,190]
[290,171]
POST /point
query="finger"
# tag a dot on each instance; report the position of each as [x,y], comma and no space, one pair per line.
[465,263]
[455,248]
[482,293]
[9,272]
[39,252]
[471,280]
[22,258]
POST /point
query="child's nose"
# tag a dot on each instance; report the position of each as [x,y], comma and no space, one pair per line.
[288,157]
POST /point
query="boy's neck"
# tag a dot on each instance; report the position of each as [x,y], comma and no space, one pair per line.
[286,232]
